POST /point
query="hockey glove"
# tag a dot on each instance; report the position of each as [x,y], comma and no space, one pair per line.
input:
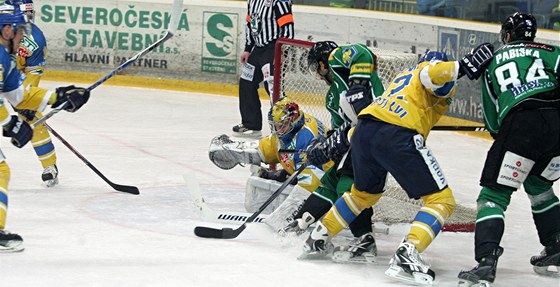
[338,143]
[28,115]
[354,101]
[277,175]
[317,153]
[76,98]
[474,64]
[19,130]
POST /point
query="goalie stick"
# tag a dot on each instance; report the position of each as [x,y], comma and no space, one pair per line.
[117,187]
[229,233]
[174,21]
[207,213]
[228,217]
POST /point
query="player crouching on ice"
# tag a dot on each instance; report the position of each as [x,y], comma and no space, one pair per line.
[293,130]
[390,137]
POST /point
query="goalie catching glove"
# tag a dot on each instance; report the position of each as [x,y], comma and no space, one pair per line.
[474,64]
[74,97]
[322,150]
[226,153]
[19,130]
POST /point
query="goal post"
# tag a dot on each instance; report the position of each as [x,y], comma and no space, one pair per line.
[292,78]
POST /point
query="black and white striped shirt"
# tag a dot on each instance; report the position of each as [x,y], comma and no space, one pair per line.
[268,20]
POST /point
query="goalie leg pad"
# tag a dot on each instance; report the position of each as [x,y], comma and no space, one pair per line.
[284,214]
[258,191]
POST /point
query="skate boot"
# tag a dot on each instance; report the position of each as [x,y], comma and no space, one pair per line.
[407,265]
[241,131]
[361,250]
[548,262]
[318,245]
[50,175]
[10,242]
[298,226]
[482,274]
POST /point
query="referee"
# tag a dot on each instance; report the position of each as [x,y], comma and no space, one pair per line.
[267,20]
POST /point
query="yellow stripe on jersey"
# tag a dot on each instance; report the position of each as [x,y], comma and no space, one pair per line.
[5,116]
[409,103]
[36,99]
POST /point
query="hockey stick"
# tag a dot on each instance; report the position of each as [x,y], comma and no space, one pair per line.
[460,128]
[117,187]
[175,14]
[229,233]
[207,213]
[435,128]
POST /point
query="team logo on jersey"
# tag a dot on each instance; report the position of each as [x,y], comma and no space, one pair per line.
[22,52]
[347,56]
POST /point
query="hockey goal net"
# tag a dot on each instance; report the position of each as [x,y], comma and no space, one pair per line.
[292,78]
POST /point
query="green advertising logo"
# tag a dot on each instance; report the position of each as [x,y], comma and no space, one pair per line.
[94,27]
[219,43]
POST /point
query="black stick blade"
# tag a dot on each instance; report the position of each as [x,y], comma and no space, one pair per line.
[126,188]
[224,233]
[207,232]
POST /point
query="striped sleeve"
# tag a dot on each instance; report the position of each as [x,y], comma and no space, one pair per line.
[285,18]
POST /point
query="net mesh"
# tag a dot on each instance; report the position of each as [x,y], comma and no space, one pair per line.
[292,78]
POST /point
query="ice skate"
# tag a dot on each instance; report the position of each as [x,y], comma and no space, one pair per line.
[548,262]
[361,250]
[318,245]
[241,131]
[483,274]
[50,175]
[10,242]
[407,265]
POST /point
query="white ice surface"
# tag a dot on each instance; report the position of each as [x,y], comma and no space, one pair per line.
[83,233]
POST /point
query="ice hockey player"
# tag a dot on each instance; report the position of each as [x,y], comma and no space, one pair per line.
[31,61]
[351,73]
[390,137]
[14,25]
[521,104]
[292,129]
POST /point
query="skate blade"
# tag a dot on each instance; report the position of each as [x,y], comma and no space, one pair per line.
[52,182]
[347,257]
[417,278]
[313,256]
[545,271]
[467,283]
[12,247]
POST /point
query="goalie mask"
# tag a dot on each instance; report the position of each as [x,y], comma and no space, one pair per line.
[285,117]
[320,53]
[519,26]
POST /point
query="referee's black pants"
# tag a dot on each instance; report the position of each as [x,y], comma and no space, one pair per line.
[249,102]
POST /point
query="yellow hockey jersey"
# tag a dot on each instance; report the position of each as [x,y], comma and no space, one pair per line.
[417,98]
